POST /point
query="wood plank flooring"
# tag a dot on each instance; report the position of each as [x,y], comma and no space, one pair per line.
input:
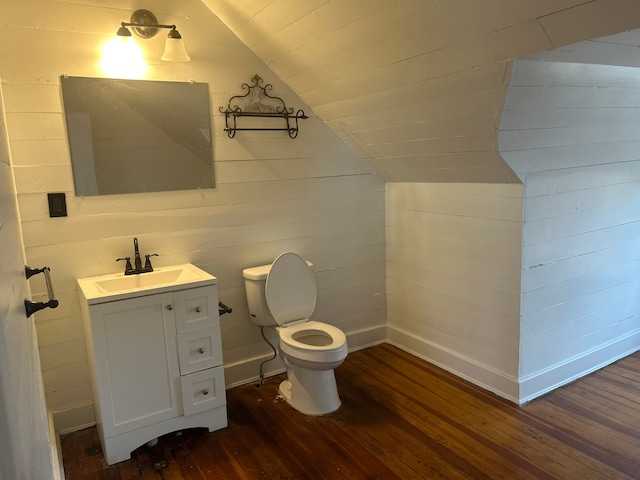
[401,418]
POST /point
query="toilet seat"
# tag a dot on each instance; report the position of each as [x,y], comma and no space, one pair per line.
[290,290]
[295,335]
[332,347]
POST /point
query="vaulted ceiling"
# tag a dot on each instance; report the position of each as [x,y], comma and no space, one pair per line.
[416,87]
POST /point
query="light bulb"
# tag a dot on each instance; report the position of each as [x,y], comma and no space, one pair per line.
[122,58]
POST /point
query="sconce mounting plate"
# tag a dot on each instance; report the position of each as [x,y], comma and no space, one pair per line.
[144,23]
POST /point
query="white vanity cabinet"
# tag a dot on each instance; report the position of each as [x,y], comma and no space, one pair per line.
[156,363]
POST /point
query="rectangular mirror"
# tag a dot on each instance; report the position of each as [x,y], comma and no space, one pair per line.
[131,136]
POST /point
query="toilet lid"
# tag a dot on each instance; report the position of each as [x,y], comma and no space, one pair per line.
[290,290]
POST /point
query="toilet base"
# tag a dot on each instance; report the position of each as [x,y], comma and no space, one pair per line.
[312,392]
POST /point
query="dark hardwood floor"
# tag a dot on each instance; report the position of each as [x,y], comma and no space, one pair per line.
[401,418]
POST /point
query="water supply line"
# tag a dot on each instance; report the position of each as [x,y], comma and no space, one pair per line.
[275,354]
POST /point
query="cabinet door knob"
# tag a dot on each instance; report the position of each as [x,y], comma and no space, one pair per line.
[198,309]
[169,307]
[201,350]
[205,391]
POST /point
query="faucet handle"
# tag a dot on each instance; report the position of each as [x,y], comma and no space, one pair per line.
[128,266]
[147,262]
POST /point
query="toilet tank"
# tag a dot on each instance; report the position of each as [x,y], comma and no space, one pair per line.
[255,279]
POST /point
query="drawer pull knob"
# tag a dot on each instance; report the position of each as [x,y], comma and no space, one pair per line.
[201,350]
[205,391]
[198,309]
[169,307]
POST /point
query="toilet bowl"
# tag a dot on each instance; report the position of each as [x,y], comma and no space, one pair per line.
[283,295]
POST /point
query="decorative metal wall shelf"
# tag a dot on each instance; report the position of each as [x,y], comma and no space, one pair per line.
[258,103]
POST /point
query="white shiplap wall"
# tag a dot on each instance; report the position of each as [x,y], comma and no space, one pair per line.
[415,87]
[312,195]
[571,133]
[453,278]
[23,418]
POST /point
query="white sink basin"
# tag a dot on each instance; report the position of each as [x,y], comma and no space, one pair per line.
[118,286]
[143,280]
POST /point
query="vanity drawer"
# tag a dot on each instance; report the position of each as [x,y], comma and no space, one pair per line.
[199,350]
[203,390]
[196,308]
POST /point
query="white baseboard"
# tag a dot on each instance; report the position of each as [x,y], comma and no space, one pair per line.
[485,377]
[544,381]
[56,449]
[74,418]
[367,337]
[247,370]
[525,389]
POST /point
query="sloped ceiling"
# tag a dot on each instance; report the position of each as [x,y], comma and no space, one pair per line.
[415,87]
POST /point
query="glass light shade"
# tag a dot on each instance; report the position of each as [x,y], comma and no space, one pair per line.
[122,58]
[174,51]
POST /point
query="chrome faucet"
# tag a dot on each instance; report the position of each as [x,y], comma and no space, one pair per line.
[129,270]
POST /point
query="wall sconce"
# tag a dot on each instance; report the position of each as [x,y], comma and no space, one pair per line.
[145,25]
[123,58]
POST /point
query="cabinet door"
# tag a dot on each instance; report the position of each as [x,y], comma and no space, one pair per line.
[136,362]
[196,308]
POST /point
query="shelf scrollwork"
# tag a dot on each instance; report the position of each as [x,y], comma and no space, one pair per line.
[258,103]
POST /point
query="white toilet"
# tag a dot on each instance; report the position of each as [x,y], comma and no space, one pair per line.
[283,295]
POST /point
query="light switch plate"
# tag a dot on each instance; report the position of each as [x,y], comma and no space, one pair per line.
[57,204]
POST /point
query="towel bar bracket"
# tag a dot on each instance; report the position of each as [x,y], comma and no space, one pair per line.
[33,307]
[30,272]
[222,308]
